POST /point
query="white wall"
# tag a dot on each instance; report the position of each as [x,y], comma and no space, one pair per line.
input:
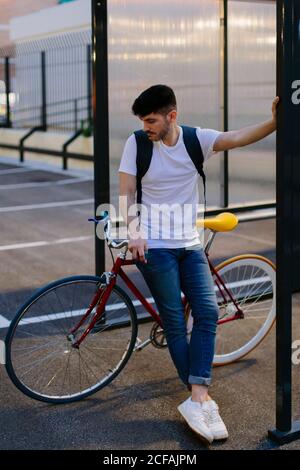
[64,18]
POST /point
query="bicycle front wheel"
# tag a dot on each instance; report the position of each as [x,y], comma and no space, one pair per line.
[251,279]
[40,358]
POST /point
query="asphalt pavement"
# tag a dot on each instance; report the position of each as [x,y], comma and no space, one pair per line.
[44,236]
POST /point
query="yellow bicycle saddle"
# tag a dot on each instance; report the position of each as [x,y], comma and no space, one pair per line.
[223,222]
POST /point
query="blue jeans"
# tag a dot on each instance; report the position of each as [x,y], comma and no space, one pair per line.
[169,272]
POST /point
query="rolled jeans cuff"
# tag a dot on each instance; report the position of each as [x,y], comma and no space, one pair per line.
[199,380]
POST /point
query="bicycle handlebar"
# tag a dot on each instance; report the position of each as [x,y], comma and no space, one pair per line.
[105,222]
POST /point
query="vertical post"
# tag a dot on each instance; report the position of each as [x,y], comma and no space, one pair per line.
[224,196]
[75,115]
[287,163]
[65,161]
[100,117]
[44,91]
[284,219]
[89,81]
[7,91]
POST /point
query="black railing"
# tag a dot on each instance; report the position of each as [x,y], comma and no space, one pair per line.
[63,153]
[47,84]
[48,89]
[71,121]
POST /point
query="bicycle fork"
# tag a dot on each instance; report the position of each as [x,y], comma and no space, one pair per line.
[107,281]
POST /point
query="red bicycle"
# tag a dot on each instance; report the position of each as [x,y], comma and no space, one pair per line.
[75,335]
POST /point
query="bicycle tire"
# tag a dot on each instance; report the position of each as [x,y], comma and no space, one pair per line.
[28,326]
[240,347]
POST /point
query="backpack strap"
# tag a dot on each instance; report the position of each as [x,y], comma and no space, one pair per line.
[194,150]
[143,160]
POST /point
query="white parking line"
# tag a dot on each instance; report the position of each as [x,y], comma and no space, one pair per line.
[46,205]
[15,170]
[2,352]
[78,313]
[4,323]
[18,246]
[34,165]
[43,184]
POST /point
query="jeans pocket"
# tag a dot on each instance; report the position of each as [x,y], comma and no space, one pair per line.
[158,261]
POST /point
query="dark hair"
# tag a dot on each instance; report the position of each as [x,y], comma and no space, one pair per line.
[156,99]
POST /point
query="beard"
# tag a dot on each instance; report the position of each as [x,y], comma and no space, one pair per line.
[161,134]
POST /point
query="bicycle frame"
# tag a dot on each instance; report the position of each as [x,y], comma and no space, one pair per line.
[103,294]
[222,287]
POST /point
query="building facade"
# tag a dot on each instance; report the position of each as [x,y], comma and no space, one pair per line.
[11,9]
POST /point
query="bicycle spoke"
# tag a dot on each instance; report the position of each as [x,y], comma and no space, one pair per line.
[38,362]
[62,311]
[80,385]
[34,348]
[54,313]
[41,377]
[256,300]
[41,354]
[253,288]
[251,281]
[88,368]
[66,368]
[84,369]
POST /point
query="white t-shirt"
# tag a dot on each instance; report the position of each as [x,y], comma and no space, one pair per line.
[172,179]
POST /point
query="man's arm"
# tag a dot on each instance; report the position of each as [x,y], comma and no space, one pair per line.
[137,245]
[247,135]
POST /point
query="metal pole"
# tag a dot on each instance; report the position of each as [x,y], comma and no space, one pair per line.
[75,114]
[100,117]
[284,226]
[225,111]
[44,91]
[287,148]
[7,90]
[224,193]
[89,81]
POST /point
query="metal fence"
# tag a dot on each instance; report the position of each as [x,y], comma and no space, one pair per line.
[47,83]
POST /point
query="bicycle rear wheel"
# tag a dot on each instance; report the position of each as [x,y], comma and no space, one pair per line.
[251,279]
[40,358]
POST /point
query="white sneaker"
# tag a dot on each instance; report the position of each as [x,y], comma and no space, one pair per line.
[214,420]
[196,419]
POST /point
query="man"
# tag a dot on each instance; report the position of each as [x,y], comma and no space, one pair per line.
[178,264]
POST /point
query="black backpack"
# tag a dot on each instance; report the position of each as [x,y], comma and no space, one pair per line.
[145,150]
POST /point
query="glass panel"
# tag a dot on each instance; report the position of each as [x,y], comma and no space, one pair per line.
[170,42]
[252,87]
[2,92]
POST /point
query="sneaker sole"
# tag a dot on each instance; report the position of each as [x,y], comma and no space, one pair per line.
[203,438]
[220,437]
